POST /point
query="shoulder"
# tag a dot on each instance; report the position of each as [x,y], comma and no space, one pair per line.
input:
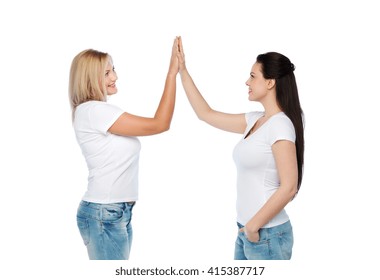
[281,119]
[280,127]
[98,107]
[97,114]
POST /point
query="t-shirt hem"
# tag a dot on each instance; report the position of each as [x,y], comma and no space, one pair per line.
[270,224]
[108,201]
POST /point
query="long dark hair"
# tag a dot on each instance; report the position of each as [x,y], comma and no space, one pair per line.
[277,66]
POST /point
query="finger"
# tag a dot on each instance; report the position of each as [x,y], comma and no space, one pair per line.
[177,42]
[180,48]
[175,45]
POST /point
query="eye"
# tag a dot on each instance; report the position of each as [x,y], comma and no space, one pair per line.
[251,76]
[107,73]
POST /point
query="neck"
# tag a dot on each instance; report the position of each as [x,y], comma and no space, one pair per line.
[271,108]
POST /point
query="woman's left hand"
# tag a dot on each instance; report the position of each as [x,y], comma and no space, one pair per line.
[181,55]
[174,64]
[251,236]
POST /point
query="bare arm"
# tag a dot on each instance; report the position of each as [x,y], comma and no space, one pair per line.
[286,161]
[132,125]
[228,122]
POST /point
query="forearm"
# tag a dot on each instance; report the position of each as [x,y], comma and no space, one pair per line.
[270,209]
[198,103]
[166,106]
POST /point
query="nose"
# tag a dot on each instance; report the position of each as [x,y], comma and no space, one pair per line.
[246,82]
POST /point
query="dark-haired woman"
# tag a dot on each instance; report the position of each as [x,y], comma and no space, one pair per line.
[269,156]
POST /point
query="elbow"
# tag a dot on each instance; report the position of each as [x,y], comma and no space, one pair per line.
[289,191]
[292,191]
[163,127]
[201,118]
[166,127]
[204,115]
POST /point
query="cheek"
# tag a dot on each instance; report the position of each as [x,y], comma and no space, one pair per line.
[106,81]
[258,89]
[260,86]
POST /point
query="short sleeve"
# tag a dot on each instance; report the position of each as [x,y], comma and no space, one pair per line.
[281,128]
[103,115]
[252,117]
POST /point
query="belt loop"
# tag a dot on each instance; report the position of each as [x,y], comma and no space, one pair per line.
[101,208]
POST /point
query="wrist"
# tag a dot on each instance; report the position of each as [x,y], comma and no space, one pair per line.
[182,70]
[250,228]
[172,73]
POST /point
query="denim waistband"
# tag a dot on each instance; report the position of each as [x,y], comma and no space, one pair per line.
[266,232]
[98,210]
[94,205]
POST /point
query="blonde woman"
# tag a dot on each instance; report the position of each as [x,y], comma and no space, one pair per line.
[107,136]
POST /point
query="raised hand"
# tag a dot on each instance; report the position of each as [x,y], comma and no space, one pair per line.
[174,65]
[228,122]
[181,55]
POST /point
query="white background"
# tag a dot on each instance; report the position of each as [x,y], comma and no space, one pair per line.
[186,213]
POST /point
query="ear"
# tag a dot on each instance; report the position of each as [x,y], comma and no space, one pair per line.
[271,83]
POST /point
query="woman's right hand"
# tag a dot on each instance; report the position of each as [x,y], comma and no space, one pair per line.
[228,122]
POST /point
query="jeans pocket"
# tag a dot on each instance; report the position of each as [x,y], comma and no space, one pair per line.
[112,214]
[261,241]
[257,250]
[84,229]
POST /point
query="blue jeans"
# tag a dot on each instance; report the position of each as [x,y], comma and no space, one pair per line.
[106,229]
[275,243]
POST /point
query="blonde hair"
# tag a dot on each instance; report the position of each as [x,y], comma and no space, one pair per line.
[86,78]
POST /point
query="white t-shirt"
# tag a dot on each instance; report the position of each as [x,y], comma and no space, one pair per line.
[112,160]
[257,176]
